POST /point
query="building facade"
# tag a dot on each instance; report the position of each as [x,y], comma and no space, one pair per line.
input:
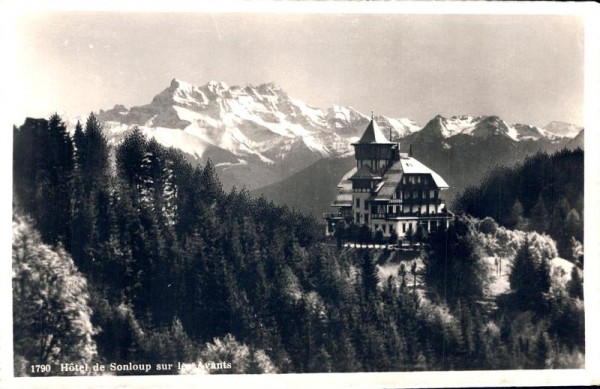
[388,190]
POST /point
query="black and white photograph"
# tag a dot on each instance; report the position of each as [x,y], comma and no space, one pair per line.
[302,193]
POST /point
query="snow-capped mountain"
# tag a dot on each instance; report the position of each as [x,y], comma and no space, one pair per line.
[485,126]
[252,128]
[250,122]
[257,135]
[563,129]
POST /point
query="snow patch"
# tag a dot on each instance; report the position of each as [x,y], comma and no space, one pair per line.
[240,162]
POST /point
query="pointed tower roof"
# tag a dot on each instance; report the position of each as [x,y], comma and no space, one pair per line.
[373,134]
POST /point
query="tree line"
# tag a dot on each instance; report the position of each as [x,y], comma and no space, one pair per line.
[544,193]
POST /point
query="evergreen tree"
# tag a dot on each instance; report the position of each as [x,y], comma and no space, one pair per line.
[95,168]
[575,284]
[515,218]
[370,278]
[130,158]
[574,225]
[79,144]
[43,173]
[522,274]
[454,265]
[90,226]
[529,279]
[211,185]
[57,204]
[540,218]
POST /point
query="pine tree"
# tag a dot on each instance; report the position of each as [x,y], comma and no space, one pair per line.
[211,185]
[573,225]
[95,168]
[79,144]
[522,274]
[575,284]
[43,173]
[530,279]
[453,266]
[515,217]
[130,158]
[370,278]
[540,218]
[90,208]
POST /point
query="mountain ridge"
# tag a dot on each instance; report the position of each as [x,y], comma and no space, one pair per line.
[267,135]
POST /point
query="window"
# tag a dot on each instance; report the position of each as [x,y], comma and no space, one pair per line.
[403,227]
[366,217]
[418,179]
[358,203]
[358,217]
[365,204]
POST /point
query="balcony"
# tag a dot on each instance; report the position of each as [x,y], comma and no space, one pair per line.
[421,201]
[335,216]
[432,216]
[416,201]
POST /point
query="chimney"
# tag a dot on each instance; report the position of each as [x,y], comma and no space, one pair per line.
[390,134]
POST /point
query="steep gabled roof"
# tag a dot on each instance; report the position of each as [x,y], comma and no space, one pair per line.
[365,173]
[344,197]
[393,176]
[391,179]
[412,166]
[373,134]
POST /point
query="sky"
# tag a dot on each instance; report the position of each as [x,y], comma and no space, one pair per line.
[523,68]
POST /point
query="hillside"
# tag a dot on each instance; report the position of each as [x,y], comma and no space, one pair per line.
[460,157]
[151,261]
[463,160]
[311,190]
[544,193]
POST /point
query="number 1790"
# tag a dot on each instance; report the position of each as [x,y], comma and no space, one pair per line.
[41,368]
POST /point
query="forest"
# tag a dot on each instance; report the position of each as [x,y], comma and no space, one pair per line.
[129,253]
[544,193]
